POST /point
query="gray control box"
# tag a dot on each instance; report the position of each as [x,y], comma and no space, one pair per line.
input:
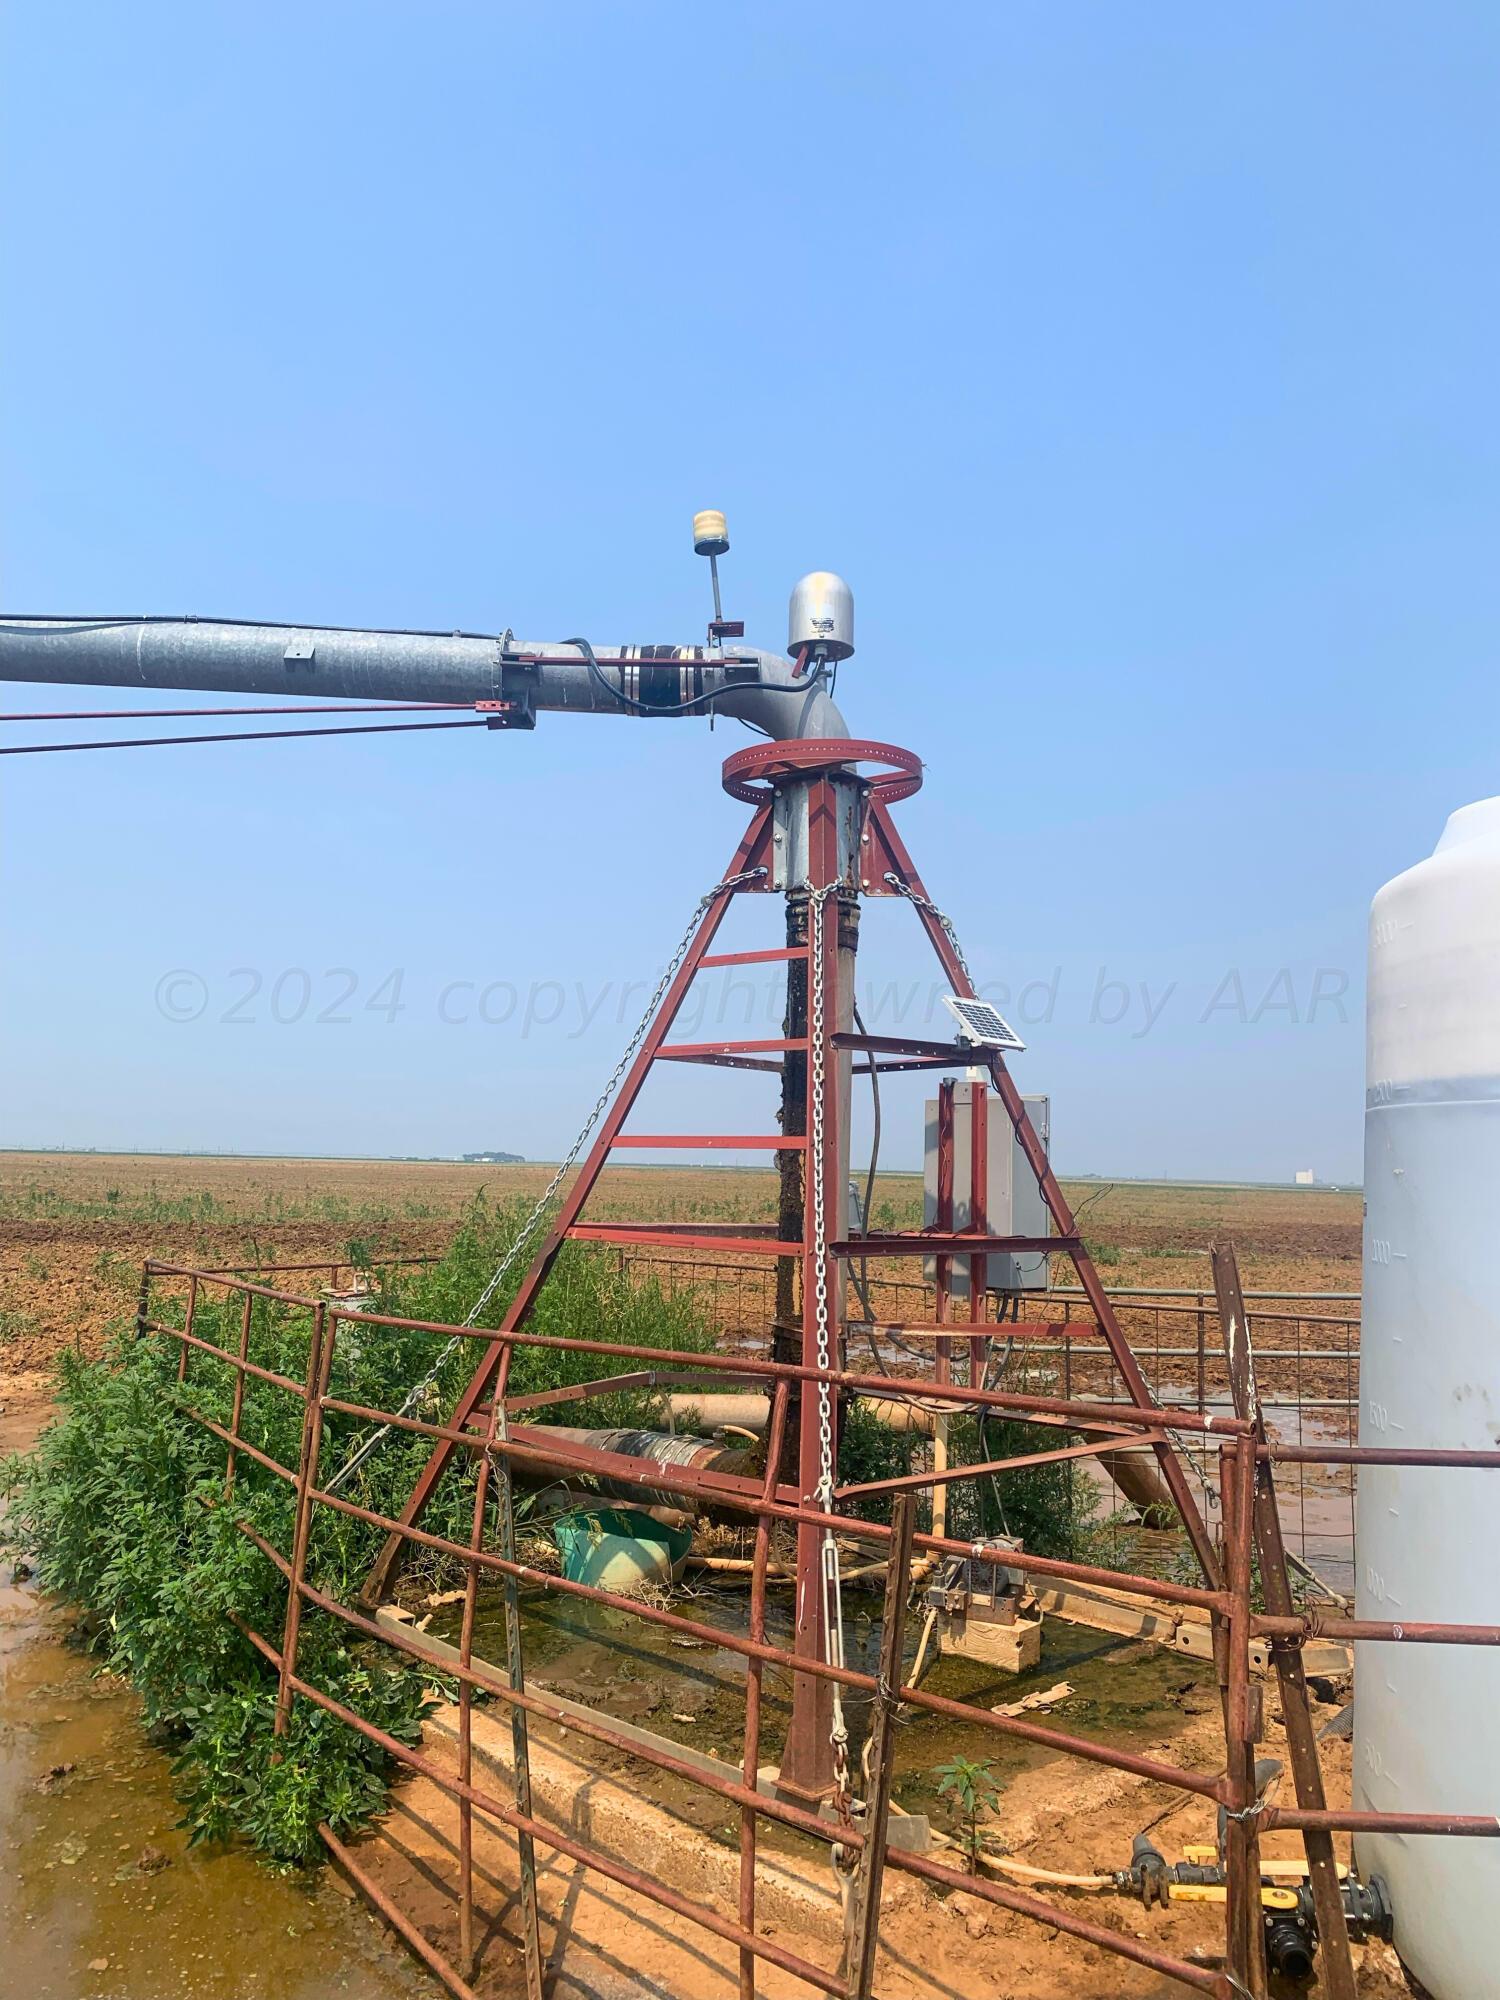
[1013,1205]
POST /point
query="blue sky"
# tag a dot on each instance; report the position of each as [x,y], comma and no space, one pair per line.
[1136,365]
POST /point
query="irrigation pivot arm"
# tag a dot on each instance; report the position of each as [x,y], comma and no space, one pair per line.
[319,662]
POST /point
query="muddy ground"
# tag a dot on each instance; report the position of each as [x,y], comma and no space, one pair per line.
[607,1943]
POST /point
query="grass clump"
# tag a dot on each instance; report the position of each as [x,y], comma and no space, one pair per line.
[122,1509]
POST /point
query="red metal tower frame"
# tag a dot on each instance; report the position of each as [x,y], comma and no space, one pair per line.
[819,830]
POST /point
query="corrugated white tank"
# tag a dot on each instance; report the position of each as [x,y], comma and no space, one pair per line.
[1427,1718]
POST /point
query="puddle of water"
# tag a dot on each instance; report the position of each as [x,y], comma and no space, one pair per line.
[1316,1502]
[82,1919]
[641,1673]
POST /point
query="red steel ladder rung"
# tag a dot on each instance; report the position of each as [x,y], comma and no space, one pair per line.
[780,1142]
[776,955]
[731,1048]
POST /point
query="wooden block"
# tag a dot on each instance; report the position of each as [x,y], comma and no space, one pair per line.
[1016,1649]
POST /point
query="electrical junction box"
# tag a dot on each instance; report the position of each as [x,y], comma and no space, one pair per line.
[1013,1201]
[1029,1214]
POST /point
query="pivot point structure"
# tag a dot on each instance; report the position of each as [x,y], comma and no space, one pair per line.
[822,839]
[822,836]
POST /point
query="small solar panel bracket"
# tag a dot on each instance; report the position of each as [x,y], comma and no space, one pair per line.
[981,1025]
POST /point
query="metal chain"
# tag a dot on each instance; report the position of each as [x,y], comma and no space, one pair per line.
[833,1606]
[922,903]
[1247,1812]
[816,900]
[427,1381]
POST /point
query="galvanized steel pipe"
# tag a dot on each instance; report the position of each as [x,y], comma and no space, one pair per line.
[326,662]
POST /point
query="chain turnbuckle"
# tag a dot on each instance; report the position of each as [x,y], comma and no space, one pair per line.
[832,1591]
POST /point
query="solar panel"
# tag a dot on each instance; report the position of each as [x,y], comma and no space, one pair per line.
[983,1024]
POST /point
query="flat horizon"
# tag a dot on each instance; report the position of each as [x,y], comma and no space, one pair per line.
[662,1166]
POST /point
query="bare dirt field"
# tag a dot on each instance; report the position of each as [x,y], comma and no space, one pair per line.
[73,1224]
[75,1227]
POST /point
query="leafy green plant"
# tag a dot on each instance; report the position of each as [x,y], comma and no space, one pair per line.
[122,1509]
[870,1449]
[973,1790]
[1050,1508]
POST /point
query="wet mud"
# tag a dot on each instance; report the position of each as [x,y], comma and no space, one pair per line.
[694,1693]
[101,1898]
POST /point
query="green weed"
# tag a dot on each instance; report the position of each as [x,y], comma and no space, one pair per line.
[973,1791]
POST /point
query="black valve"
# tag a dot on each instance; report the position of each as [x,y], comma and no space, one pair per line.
[1290,1944]
[1148,1868]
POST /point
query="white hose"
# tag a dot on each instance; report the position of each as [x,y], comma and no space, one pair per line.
[1031,1874]
[1028,1873]
[916,1672]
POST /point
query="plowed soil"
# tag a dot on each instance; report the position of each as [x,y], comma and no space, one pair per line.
[75,1227]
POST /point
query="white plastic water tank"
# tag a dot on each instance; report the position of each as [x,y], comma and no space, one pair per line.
[1427,1718]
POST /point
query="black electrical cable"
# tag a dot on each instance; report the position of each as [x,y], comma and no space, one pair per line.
[862,1283]
[700,704]
[1098,1195]
[874,1123]
[982,1416]
[101,618]
[240,736]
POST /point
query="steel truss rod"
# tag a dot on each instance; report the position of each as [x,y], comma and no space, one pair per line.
[749,854]
[1264,1527]
[291,708]
[240,736]
[1052,1194]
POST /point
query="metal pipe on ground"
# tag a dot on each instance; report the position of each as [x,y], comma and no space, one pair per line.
[1137,1476]
[1141,1481]
[698,1454]
[749,1411]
